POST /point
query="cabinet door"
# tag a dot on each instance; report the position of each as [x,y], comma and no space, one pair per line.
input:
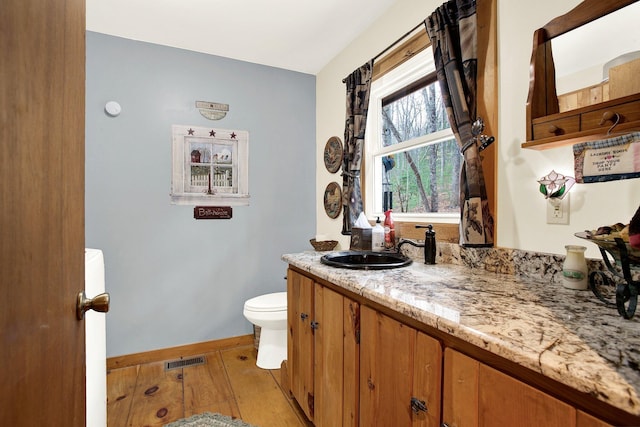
[397,364]
[586,420]
[300,339]
[460,390]
[477,395]
[335,355]
[507,401]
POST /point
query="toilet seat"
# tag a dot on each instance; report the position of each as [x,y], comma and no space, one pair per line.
[276,301]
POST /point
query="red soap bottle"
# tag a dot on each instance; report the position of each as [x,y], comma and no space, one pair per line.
[389,231]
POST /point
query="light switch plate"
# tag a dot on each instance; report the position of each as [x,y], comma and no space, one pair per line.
[558,214]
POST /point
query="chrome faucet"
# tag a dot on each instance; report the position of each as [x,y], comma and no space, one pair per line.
[429,249]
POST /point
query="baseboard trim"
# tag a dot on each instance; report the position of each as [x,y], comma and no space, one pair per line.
[177,352]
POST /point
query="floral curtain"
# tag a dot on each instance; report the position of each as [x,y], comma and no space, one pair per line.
[452,29]
[358,87]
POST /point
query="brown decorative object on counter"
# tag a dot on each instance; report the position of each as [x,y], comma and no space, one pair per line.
[324,245]
[361,239]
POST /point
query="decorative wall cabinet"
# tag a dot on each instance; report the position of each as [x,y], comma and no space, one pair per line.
[547,126]
[210,167]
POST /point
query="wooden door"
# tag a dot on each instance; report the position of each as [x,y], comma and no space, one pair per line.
[397,364]
[507,401]
[335,355]
[300,339]
[460,389]
[585,420]
[42,78]
[477,395]
[427,380]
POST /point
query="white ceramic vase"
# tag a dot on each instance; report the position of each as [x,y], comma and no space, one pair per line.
[575,274]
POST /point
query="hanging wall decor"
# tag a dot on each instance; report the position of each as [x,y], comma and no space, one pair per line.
[333,154]
[210,166]
[608,159]
[333,200]
[212,110]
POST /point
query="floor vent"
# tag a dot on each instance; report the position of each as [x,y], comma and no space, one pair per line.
[183,363]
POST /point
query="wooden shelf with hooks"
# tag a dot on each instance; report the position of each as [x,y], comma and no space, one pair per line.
[599,121]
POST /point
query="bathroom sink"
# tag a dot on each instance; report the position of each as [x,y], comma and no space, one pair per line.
[365,260]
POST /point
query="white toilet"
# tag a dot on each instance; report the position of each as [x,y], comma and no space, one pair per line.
[269,311]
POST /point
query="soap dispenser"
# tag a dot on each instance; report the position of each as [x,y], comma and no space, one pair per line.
[389,231]
[377,237]
[430,245]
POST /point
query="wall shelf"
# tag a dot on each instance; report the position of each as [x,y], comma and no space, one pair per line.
[585,124]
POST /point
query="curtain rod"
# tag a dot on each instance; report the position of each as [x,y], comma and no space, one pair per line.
[398,41]
[386,49]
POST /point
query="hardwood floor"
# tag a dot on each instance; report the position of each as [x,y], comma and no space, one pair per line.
[229,383]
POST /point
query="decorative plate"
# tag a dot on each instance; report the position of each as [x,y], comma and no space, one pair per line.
[333,200]
[333,154]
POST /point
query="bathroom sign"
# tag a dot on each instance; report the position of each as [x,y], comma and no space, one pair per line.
[212,212]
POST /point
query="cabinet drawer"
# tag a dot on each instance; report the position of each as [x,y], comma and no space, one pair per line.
[556,127]
[628,112]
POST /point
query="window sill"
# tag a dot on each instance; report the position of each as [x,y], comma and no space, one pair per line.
[445,231]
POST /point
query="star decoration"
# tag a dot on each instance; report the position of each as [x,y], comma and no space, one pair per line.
[190,131]
[233,135]
[212,133]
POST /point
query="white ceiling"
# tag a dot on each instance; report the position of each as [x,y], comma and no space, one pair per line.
[298,35]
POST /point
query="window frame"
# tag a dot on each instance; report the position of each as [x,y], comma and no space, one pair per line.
[419,67]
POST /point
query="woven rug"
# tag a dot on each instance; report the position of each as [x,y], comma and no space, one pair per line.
[208,419]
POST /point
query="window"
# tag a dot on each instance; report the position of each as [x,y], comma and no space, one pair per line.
[412,160]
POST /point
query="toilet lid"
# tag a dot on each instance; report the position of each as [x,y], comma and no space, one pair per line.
[268,302]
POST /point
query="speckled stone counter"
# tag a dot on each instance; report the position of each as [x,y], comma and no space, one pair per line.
[525,316]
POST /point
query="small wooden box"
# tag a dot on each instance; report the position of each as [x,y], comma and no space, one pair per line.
[360,239]
[623,79]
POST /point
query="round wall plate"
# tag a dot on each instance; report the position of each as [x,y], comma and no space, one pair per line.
[333,154]
[333,200]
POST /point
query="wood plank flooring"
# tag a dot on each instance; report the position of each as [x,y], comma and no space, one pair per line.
[229,383]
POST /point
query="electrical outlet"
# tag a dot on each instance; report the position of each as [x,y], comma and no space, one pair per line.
[558,211]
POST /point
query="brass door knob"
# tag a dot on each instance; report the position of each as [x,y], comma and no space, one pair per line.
[98,303]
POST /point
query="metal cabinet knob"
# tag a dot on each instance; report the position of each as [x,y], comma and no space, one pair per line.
[303,316]
[98,303]
[418,405]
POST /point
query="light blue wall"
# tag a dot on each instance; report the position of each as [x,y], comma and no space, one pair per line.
[174,280]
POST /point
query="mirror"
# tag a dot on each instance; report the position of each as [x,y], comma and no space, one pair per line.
[580,55]
[591,25]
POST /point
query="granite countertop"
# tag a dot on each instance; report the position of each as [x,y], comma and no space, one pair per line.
[564,334]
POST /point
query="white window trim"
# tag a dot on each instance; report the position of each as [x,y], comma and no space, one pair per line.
[417,67]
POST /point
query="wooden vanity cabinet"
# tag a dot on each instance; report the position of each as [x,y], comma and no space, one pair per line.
[322,351]
[400,373]
[352,364]
[475,394]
